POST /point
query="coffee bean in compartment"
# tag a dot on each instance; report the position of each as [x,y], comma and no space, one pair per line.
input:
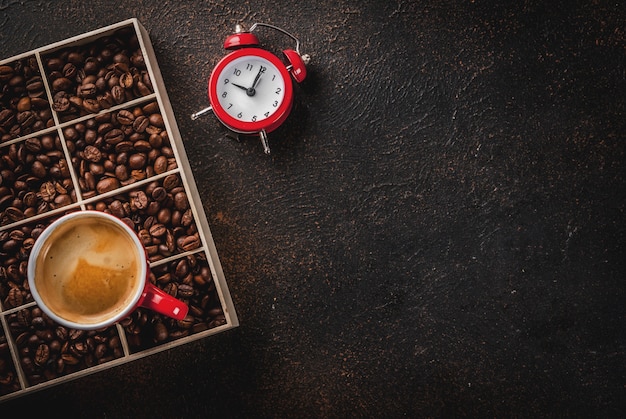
[9,381]
[189,279]
[47,350]
[160,213]
[24,106]
[15,246]
[118,148]
[97,76]
[34,178]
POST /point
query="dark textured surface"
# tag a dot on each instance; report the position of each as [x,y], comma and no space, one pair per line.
[440,228]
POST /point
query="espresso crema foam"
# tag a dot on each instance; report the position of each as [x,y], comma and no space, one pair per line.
[89,271]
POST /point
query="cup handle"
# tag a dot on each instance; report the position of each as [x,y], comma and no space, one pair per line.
[158,300]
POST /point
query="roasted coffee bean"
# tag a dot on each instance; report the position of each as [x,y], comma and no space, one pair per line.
[91,105]
[158,230]
[180,201]
[160,332]
[160,165]
[157,120]
[91,66]
[182,268]
[159,194]
[137,161]
[87,90]
[25,119]
[42,355]
[62,333]
[34,86]
[61,102]
[139,200]
[171,288]
[144,146]
[140,124]
[33,144]
[92,154]
[125,117]
[79,348]
[6,73]
[7,118]
[24,104]
[15,298]
[107,184]
[70,71]
[170,182]
[100,350]
[185,291]
[69,359]
[118,94]
[38,322]
[126,80]
[61,84]
[190,242]
[75,334]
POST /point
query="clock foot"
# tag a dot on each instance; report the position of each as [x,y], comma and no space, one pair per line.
[266,146]
[198,114]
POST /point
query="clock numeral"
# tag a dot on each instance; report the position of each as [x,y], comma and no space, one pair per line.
[254,118]
[249,67]
[278,91]
[224,94]
[275,104]
[239,115]
[237,72]
[273,77]
[226,81]
[267,114]
[230,105]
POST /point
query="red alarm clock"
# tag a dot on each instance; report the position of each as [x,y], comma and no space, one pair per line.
[250,89]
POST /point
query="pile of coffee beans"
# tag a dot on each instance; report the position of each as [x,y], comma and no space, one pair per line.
[118,148]
[189,279]
[47,350]
[15,246]
[87,79]
[24,107]
[159,212]
[8,377]
[34,178]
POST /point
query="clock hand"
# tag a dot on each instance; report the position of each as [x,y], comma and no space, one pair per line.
[258,76]
[249,90]
[239,86]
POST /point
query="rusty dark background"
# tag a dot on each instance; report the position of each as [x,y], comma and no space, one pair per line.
[439,231]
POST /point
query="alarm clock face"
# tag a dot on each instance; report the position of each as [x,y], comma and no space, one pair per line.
[250,91]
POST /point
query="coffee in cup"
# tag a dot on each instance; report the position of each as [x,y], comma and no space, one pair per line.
[88,270]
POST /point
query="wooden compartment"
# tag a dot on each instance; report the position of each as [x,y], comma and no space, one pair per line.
[86,123]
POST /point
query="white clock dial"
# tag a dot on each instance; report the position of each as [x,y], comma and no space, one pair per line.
[250,89]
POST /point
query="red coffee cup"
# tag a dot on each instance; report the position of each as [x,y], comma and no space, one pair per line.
[89,270]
